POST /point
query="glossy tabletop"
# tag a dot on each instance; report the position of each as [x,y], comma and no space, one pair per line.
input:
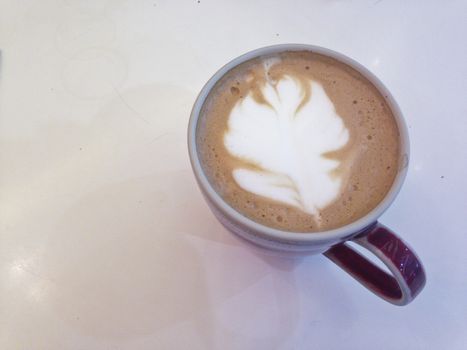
[105,240]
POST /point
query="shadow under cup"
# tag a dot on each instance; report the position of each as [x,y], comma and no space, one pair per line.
[323,241]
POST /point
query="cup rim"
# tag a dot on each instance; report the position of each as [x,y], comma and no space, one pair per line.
[336,234]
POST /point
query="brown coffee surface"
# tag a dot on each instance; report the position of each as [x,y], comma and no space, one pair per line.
[369,162]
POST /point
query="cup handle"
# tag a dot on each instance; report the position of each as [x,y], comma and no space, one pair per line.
[408,276]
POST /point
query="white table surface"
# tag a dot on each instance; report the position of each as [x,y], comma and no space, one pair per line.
[105,240]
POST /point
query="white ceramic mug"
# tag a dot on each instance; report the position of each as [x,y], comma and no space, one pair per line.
[408,276]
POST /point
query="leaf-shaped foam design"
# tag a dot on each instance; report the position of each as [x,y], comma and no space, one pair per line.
[286,139]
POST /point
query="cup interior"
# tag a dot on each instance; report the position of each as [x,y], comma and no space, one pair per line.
[334,235]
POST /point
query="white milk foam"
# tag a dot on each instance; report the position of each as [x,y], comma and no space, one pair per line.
[286,144]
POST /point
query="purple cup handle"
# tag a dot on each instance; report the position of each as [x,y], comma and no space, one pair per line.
[408,276]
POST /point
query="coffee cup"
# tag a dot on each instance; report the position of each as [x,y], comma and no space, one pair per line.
[406,278]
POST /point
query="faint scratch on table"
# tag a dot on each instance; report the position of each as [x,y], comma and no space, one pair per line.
[159,137]
[138,114]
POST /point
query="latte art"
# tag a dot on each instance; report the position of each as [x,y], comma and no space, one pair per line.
[285,138]
[298,141]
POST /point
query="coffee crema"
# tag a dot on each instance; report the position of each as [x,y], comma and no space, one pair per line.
[298,141]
